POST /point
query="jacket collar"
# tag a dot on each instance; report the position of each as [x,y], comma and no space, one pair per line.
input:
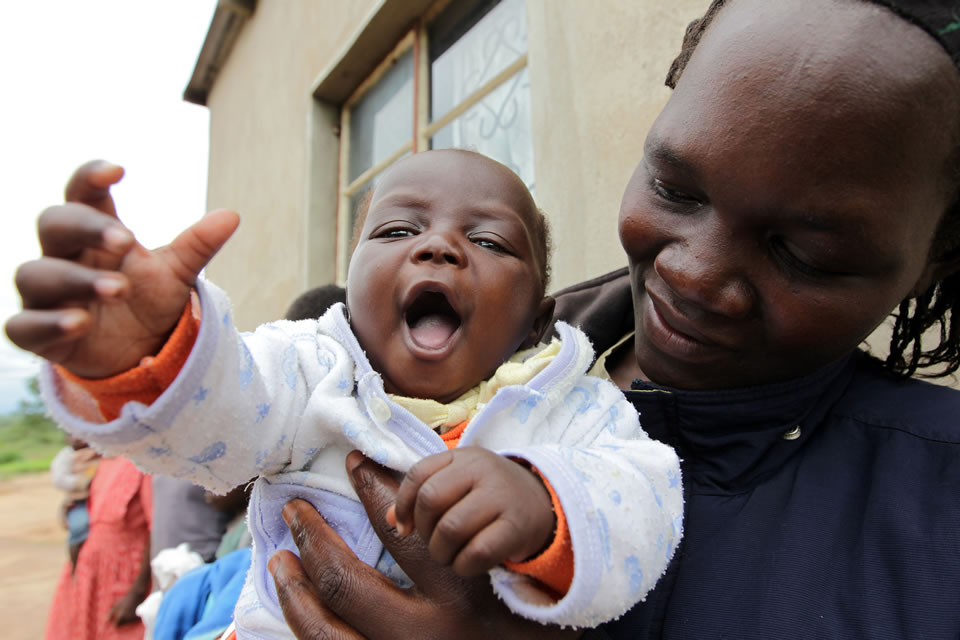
[731,440]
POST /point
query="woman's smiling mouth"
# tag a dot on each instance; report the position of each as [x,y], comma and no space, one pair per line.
[675,336]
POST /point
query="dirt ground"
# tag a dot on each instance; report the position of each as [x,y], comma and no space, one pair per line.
[32,554]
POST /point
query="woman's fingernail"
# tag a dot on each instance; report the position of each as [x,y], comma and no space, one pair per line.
[117,238]
[273,565]
[354,459]
[288,513]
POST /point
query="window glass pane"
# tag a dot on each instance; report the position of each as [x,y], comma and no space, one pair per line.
[382,120]
[490,45]
[355,200]
[498,126]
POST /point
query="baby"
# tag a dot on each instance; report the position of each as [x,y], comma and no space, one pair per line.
[517,463]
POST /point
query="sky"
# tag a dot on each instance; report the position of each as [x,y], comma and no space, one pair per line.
[96,79]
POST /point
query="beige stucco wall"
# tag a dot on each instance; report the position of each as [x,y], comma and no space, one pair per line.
[596,79]
[596,74]
[260,109]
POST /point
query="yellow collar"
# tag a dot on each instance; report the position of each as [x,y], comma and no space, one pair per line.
[518,370]
[599,369]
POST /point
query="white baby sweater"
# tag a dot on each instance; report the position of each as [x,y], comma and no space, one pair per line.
[289,401]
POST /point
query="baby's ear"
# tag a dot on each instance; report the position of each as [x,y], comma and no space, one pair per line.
[541,323]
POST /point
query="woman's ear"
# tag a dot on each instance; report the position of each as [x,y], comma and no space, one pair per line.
[935,271]
[541,323]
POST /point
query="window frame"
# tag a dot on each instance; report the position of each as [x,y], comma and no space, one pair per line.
[417,39]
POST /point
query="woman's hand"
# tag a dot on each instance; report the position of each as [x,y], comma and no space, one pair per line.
[330,594]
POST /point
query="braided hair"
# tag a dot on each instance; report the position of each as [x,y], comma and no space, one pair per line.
[929,314]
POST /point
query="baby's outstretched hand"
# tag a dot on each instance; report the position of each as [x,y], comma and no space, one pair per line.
[98,301]
[474,509]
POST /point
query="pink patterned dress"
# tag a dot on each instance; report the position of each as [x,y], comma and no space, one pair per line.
[120,511]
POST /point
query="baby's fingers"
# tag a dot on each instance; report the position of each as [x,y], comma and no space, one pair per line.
[49,334]
[500,540]
[65,231]
[90,184]
[410,487]
[49,283]
[462,537]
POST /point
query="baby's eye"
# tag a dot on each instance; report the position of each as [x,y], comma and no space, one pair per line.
[673,195]
[487,243]
[395,233]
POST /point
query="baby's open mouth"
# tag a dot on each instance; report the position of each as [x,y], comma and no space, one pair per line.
[432,320]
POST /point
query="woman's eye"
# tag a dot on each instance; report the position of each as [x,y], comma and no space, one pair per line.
[672,195]
[796,264]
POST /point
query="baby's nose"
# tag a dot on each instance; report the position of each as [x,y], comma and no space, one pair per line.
[439,248]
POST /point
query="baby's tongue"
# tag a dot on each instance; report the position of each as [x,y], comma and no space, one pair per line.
[433,330]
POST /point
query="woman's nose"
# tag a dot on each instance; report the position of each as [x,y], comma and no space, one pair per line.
[440,248]
[708,275]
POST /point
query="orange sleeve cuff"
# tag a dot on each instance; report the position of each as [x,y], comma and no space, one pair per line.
[452,437]
[145,382]
[554,566]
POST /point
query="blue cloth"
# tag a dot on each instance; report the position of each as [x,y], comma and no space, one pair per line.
[849,531]
[200,604]
[78,522]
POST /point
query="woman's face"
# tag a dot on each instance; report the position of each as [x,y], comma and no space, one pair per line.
[788,193]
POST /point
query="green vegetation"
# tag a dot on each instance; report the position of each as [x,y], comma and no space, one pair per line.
[28,439]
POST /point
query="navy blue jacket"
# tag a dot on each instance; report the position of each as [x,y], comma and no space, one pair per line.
[850,530]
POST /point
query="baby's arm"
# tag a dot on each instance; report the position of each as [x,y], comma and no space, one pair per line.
[622,499]
[474,509]
[97,302]
[234,410]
